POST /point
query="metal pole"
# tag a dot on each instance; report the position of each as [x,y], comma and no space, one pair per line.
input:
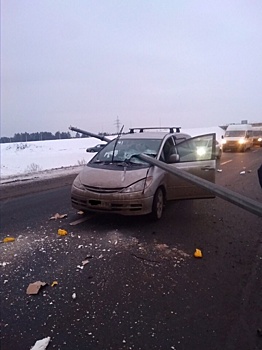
[243,202]
[100,137]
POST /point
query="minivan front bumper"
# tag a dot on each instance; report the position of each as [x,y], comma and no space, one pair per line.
[136,203]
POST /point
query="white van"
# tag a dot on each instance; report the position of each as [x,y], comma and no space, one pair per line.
[238,137]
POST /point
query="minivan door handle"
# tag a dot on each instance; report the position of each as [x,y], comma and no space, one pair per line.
[207,168]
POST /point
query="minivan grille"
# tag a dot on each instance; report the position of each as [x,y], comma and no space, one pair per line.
[103,190]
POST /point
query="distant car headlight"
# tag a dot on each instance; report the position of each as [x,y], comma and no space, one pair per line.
[201,151]
[241,141]
[224,142]
[259,139]
[78,184]
[139,185]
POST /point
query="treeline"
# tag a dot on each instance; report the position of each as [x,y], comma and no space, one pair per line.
[41,136]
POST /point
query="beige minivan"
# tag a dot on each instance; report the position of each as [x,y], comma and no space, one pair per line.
[116,181]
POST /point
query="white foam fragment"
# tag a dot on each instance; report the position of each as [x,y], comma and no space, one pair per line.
[41,344]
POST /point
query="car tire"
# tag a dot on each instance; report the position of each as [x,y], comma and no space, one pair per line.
[158,204]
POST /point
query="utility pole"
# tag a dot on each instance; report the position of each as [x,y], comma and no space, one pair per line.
[117,123]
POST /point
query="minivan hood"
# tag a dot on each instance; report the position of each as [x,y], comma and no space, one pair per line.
[111,178]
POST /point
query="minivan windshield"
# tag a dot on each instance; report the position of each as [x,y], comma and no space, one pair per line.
[257,133]
[125,149]
[235,133]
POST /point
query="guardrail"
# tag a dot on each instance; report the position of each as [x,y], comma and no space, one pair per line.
[243,202]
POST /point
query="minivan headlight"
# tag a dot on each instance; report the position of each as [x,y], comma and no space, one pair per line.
[241,141]
[139,185]
[78,184]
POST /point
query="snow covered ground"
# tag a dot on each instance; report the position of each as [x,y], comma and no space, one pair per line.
[51,158]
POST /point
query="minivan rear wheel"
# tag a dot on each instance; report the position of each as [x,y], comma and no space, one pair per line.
[158,204]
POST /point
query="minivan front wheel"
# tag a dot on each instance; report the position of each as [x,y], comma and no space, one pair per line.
[158,204]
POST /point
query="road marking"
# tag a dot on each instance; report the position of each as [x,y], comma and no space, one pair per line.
[228,161]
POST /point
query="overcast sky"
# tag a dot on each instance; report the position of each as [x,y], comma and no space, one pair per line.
[149,63]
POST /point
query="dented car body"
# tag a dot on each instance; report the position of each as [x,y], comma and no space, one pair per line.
[117,181]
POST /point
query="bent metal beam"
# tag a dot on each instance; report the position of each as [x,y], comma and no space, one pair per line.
[243,202]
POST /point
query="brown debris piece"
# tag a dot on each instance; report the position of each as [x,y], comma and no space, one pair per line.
[161,246]
[34,288]
[58,216]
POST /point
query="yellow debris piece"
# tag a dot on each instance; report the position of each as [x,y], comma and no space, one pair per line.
[9,239]
[198,253]
[54,284]
[62,232]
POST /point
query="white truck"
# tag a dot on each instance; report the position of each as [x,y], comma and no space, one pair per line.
[238,137]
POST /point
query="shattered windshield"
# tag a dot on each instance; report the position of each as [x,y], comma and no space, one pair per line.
[126,150]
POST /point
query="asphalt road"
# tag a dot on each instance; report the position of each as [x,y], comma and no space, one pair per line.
[141,287]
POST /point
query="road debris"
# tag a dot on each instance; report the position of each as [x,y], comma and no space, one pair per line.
[79,221]
[62,232]
[145,259]
[84,262]
[74,296]
[219,170]
[41,344]
[87,260]
[242,172]
[162,246]
[198,253]
[8,239]
[58,216]
[55,283]
[34,288]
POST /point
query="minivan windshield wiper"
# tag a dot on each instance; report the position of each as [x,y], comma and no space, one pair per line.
[98,161]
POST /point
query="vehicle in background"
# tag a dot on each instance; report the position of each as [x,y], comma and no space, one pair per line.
[117,181]
[257,135]
[96,148]
[259,173]
[238,137]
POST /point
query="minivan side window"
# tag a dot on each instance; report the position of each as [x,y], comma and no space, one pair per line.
[166,150]
[197,148]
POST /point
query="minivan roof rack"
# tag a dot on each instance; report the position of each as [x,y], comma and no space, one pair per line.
[171,129]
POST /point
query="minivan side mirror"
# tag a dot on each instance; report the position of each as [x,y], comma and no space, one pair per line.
[173,158]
